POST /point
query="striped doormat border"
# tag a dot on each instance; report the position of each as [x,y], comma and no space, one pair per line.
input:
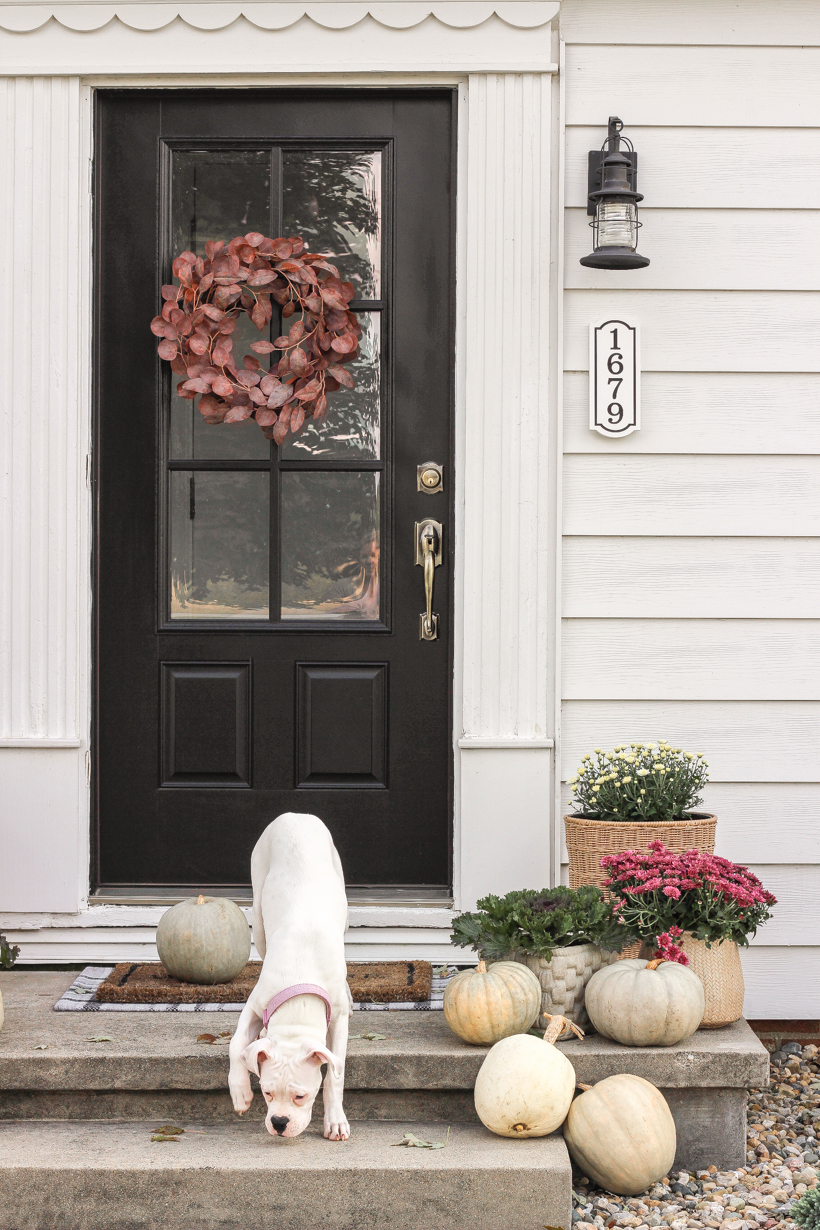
[80,997]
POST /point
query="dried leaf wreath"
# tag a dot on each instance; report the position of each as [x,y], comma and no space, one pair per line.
[199,316]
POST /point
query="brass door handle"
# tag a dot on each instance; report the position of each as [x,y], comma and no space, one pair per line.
[429,557]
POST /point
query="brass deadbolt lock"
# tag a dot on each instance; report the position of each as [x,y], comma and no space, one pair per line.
[430,478]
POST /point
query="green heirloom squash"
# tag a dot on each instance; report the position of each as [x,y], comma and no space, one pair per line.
[204,940]
[621,1133]
[640,1003]
[484,1005]
[525,1085]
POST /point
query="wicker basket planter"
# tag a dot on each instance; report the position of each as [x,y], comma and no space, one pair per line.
[564,978]
[721,973]
[589,840]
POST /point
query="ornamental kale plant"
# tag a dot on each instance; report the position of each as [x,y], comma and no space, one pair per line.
[534,923]
[639,781]
[807,1210]
[8,953]
[707,896]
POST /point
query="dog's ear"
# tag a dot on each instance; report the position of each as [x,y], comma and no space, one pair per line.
[255,1054]
[321,1055]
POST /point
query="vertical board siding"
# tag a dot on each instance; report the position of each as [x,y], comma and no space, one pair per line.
[506,585]
[41,318]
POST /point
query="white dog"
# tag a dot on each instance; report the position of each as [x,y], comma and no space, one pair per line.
[301,1003]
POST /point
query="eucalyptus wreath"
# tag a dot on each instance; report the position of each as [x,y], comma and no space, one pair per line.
[536,922]
[200,314]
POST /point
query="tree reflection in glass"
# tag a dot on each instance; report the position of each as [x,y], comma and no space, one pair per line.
[332,198]
[330,546]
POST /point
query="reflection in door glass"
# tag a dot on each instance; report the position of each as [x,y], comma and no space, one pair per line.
[330,546]
[333,199]
[350,427]
[217,194]
[219,545]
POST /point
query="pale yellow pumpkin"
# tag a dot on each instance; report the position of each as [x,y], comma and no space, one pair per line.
[484,1005]
[525,1085]
[621,1134]
[204,940]
[645,1003]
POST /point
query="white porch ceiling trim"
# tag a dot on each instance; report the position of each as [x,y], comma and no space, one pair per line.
[211,15]
[282,43]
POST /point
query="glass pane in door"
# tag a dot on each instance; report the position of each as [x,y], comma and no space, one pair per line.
[330,545]
[192,437]
[333,199]
[219,544]
[217,194]
[351,426]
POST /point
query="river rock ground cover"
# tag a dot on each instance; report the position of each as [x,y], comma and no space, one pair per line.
[782,1162]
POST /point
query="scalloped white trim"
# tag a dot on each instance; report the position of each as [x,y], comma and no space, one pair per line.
[395,14]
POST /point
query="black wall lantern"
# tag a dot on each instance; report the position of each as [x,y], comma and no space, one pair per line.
[613,202]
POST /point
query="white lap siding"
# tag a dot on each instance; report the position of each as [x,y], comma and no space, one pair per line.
[691,551]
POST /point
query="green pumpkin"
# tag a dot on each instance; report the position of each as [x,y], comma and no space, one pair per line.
[205,940]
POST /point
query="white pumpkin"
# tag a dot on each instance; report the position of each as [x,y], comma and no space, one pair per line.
[204,940]
[484,1005]
[645,1003]
[621,1134]
[525,1085]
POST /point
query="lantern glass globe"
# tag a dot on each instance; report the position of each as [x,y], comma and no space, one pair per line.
[617,225]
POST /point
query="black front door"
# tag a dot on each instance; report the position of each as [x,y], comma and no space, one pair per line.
[259,639]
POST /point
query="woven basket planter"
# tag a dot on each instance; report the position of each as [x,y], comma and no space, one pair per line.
[589,840]
[564,978]
[721,973]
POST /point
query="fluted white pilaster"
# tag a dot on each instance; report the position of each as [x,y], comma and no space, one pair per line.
[506,523]
[506,448]
[41,416]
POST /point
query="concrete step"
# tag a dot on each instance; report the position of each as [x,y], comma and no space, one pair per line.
[96,1176]
[417,1071]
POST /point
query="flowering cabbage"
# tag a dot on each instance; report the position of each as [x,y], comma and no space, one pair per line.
[707,896]
[535,922]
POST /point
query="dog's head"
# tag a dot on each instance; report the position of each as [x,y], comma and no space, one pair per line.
[289,1074]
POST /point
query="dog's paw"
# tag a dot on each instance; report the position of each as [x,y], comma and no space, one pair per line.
[241,1095]
[337,1127]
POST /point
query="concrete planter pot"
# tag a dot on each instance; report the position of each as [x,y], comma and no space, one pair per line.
[2,1014]
[721,973]
[564,978]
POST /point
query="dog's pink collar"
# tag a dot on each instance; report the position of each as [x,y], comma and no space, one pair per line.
[302,988]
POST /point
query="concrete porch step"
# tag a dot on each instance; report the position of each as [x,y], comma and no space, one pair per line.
[98,1176]
[416,1070]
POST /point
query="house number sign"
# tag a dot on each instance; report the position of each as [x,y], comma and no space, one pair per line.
[614,377]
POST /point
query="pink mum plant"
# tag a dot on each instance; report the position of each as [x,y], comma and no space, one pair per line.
[660,895]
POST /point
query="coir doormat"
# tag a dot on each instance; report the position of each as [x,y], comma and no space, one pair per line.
[384,982]
[146,987]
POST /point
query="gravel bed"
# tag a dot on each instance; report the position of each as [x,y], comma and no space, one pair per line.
[782,1162]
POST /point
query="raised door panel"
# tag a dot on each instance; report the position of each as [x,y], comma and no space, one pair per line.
[342,726]
[205,724]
